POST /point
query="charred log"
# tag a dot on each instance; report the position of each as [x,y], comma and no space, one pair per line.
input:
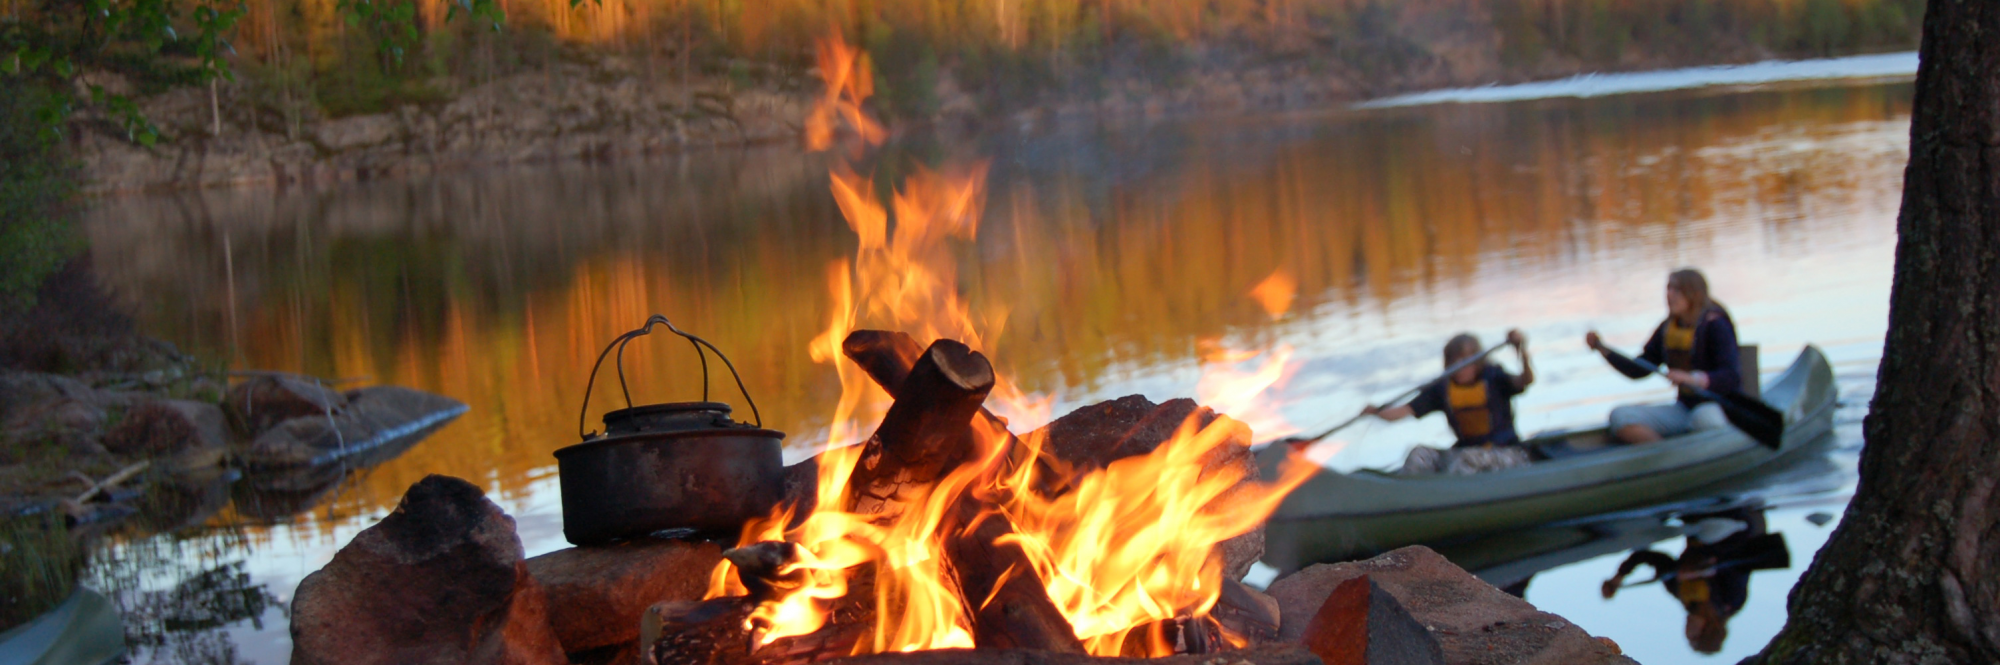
[709,632]
[1247,613]
[888,357]
[1176,636]
[926,432]
[1005,599]
[758,567]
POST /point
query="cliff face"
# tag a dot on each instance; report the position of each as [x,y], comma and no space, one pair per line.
[618,98]
[569,112]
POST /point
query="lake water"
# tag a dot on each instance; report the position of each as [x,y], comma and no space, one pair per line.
[1115,256]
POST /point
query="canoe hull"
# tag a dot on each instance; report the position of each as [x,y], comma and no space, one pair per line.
[1339,516]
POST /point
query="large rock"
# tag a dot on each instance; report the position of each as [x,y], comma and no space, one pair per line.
[1361,624]
[373,418]
[440,580]
[194,433]
[1091,438]
[597,594]
[264,401]
[53,410]
[1473,621]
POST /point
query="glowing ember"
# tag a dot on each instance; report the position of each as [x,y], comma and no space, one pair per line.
[1125,546]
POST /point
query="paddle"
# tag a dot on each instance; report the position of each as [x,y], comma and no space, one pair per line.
[1461,364]
[1749,414]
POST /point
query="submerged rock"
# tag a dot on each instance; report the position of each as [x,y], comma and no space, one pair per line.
[264,401]
[440,580]
[373,417]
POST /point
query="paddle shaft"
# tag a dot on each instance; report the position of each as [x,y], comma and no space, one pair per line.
[1407,394]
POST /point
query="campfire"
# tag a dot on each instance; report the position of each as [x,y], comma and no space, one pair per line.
[1117,530]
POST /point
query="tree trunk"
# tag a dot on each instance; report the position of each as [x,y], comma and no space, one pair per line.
[1912,575]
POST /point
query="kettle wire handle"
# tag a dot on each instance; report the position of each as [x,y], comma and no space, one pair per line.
[619,343]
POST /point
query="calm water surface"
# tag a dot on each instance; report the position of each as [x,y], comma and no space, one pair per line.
[1113,258]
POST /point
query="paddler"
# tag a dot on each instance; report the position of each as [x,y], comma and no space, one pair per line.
[1697,345]
[1478,403]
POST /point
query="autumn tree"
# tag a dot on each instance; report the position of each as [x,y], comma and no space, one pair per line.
[1912,574]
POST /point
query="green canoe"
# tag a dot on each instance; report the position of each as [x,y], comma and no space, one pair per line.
[1339,516]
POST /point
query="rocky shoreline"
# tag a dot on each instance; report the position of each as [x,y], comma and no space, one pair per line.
[606,108]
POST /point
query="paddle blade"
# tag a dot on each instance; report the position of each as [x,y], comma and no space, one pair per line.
[1755,418]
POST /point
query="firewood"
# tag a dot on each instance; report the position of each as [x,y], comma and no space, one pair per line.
[925,433]
[1179,635]
[1005,599]
[1247,613]
[885,355]
[709,632]
[758,565]
[888,356]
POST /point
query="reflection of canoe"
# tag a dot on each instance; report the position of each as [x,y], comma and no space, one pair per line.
[1342,515]
[83,630]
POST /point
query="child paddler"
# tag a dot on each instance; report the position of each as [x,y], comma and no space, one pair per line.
[1697,345]
[1478,403]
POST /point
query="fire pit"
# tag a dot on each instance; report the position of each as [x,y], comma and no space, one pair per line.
[946,531]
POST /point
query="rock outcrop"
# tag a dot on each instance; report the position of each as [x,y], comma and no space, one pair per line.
[1473,621]
[602,110]
[440,580]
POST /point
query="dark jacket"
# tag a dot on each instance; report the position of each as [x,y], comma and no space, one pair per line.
[1715,353]
[1501,388]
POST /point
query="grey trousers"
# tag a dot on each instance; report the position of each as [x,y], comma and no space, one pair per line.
[1670,419]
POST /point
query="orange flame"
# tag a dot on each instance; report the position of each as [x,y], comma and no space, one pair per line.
[849,81]
[1129,544]
[1275,293]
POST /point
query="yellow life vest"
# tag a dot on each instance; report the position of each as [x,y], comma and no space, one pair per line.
[1468,408]
[1680,348]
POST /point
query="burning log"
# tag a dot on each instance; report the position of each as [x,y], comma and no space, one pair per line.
[1247,613]
[925,433]
[888,357]
[709,632]
[885,355]
[928,432]
[1179,635]
[1009,607]
[758,566]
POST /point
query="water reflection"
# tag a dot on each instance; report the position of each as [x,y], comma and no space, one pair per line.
[1711,577]
[1111,257]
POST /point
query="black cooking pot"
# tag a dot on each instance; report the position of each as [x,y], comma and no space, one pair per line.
[683,465]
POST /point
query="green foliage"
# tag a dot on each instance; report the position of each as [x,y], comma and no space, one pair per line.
[35,188]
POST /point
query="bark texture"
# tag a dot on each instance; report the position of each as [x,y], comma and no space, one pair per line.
[1912,575]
